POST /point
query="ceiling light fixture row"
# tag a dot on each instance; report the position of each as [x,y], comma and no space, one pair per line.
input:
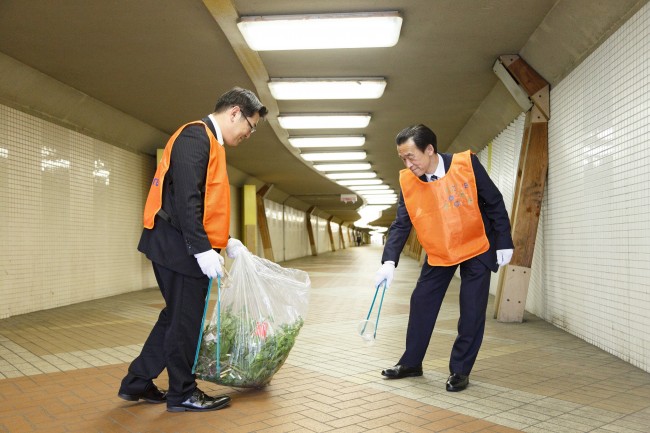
[324,121]
[327,31]
[321,31]
[353,175]
[343,167]
[327,141]
[326,88]
[378,192]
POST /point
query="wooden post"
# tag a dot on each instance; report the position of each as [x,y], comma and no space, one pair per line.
[329,232]
[310,231]
[262,222]
[341,239]
[413,248]
[249,218]
[512,288]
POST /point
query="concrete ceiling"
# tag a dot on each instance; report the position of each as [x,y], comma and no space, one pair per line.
[158,64]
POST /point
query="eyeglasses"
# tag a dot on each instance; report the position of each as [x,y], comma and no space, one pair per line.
[253,129]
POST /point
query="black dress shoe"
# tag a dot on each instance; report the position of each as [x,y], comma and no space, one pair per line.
[151,395]
[457,382]
[400,371]
[200,402]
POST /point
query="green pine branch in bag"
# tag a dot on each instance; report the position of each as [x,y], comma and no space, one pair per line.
[249,356]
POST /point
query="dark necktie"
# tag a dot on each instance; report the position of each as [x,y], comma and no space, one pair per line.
[433,177]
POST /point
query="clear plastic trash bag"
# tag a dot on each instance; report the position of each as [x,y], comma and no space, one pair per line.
[263,306]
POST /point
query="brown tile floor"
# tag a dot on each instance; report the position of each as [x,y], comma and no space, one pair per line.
[60,370]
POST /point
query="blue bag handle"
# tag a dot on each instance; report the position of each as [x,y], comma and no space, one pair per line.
[205,311]
[218,354]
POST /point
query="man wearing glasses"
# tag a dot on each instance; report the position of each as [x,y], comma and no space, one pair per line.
[186,223]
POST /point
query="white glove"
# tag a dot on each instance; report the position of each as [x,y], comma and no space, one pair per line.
[503,257]
[211,263]
[234,247]
[385,272]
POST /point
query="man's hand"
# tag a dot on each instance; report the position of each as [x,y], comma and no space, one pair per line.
[504,256]
[385,272]
[211,263]
[234,247]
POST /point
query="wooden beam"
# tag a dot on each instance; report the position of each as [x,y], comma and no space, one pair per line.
[310,231]
[262,222]
[514,279]
[515,290]
[531,183]
[527,77]
[329,232]
[527,203]
[542,101]
[413,248]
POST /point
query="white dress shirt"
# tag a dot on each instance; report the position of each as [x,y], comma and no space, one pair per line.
[440,169]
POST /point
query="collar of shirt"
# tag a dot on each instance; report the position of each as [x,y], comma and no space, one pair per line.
[440,169]
[216,128]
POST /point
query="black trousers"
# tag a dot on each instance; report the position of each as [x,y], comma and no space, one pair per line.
[425,305]
[173,340]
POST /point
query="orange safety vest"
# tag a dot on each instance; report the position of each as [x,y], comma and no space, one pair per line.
[445,213]
[216,210]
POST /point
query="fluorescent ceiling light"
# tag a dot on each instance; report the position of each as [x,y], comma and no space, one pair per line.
[376,192]
[327,88]
[369,187]
[359,182]
[321,31]
[324,121]
[368,175]
[369,214]
[334,156]
[328,141]
[381,200]
[380,197]
[342,167]
[375,207]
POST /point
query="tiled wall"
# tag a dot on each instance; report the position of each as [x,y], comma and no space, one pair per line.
[597,213]
[288,231]
[289,237]
[70,215]
[591,269]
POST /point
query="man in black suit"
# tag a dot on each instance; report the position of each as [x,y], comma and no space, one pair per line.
[461,220]
[186,221]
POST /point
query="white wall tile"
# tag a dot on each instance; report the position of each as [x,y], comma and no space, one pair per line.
[70,216]
[591,268]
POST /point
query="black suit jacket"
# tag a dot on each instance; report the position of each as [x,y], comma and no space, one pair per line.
[174,246]
[493,211]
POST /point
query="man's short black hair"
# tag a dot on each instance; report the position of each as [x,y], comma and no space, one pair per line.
[422,137]
[246,100]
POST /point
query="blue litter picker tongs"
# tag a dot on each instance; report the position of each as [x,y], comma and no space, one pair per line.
[368,330]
